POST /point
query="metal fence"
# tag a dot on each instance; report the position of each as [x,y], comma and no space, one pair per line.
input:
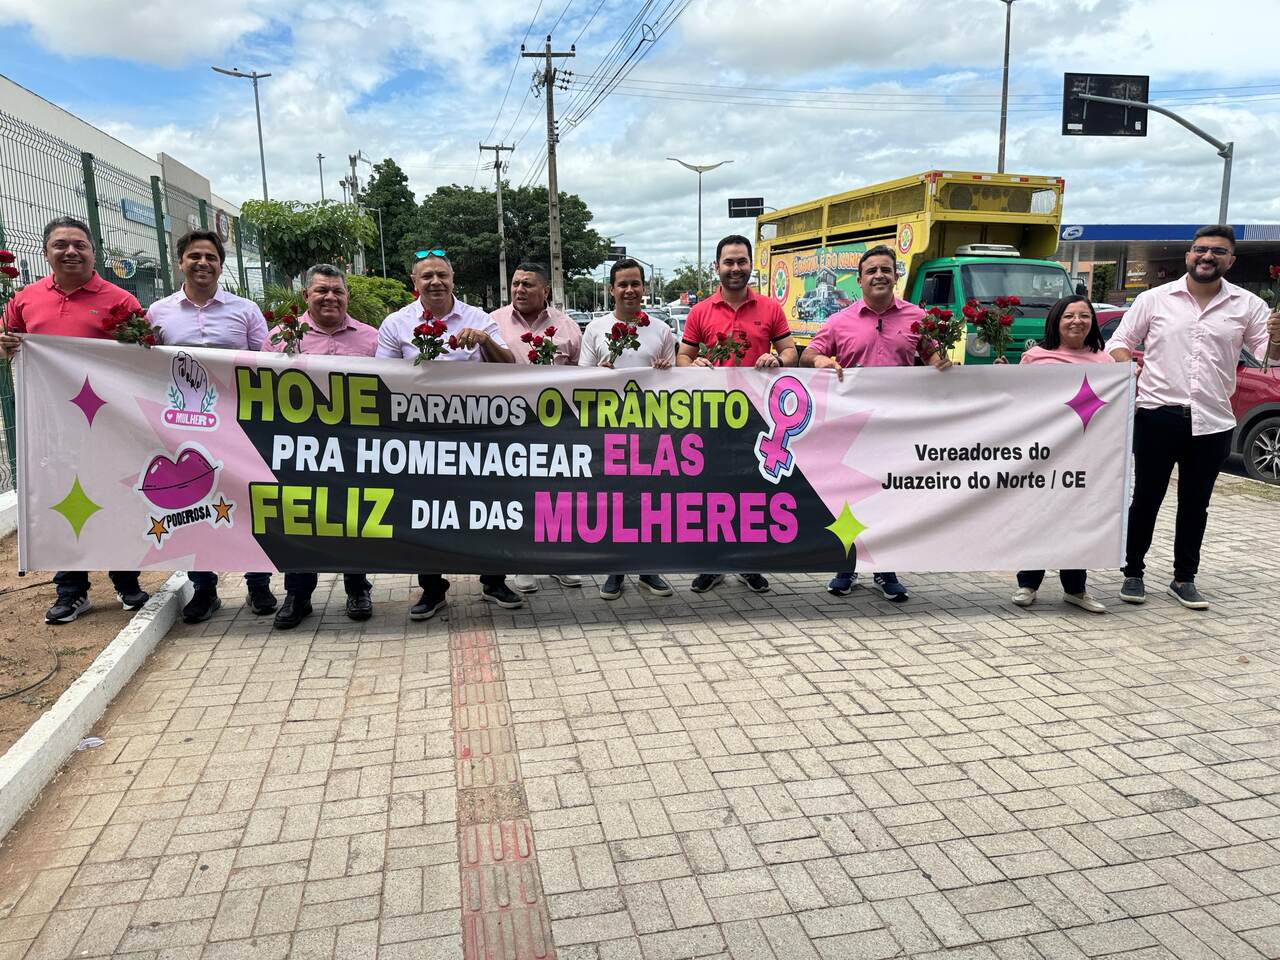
[134,224]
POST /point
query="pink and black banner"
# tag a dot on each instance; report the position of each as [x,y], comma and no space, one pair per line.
[179,458]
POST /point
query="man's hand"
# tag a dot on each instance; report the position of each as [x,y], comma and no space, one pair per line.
[830,363]
[9,343]
[469,337]
[701,362]
[940,361]
[1273,327]
[767,360]
[662,363]
[1001,359]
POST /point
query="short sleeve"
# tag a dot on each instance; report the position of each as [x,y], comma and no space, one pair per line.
[255,333]
[494,330]
[667,349]
[388,339]
[823,343]
[13,321]
[779,329]
[693,328]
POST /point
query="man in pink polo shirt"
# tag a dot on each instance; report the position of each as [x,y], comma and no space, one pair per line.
[71,302]
[877,330]
[333,333]
[738,312]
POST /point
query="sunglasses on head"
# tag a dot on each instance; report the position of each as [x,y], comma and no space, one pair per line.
[423,254]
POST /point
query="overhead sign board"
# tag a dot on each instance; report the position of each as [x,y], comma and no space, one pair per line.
[1086,118]
[616,253]
[745,207]
[141,213]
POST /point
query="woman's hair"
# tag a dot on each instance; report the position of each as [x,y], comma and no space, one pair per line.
[1052,339]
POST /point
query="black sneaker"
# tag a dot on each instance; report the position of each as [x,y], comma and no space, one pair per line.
[612,587]
[261,600]
[201,606]
[428,605]
[66,609]
[292,612]
[656,585]
[706,581]
[503,596]
[1133,590]
[756,581]
[1185,592]
[359,605]
[133,599]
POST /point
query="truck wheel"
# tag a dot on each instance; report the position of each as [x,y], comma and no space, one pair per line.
[1261,450]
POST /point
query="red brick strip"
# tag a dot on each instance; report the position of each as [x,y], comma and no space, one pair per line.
[504,915]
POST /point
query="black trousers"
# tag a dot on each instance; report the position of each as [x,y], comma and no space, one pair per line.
[75,583]
[1162,438]
[1073,581]
[436,583]
[207,580]
[303,584]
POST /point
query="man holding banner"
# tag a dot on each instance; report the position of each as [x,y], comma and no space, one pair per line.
[202,314]
[332,333]
[72,302]
[478,339]
[877,330]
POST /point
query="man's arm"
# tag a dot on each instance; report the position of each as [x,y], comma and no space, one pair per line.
[13,325]
[256,333]
[494,352]
[788,353]
[688,356]
[1262,332]
[1132,331]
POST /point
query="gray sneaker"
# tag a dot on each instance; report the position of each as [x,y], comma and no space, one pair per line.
[1133,590]
[1185,592]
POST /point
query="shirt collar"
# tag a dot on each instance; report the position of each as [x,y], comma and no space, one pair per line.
[348,324]
[1225,292]
[219,295]
[718,297]
[94,285]
[863,307]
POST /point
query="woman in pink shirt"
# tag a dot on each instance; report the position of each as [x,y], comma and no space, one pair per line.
[1071,335]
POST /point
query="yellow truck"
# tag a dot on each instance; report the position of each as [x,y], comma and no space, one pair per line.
[958,236]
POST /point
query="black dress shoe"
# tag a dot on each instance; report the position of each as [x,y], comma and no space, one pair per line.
[292,612]
[359,605]
[260,599]
[201,607]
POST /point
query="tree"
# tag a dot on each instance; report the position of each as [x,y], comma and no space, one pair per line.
[1104,276]
[371,299]
[529,231]
[388,191]
[686,278]
[298,235]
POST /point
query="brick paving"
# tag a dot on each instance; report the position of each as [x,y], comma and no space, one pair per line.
[781,776]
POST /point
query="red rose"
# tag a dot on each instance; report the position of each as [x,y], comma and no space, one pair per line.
[149,340]
[533,356]
[439,328]
[631,330]
[527,336]
[722,337]
[422,330]
[453,343]
[915,327]
[944,314]
[970,313]
[6,256]
[928,325]
[1012,301]
[537,342]
[1006,320]
[1274,271]
[619,328]
[10,272]
[426,315]
[289,321]
[550,331]
[642,320]
[1002,302]
[268,315]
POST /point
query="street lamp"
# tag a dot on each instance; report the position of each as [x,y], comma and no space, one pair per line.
[257,109]
[1004,88]
[699,169]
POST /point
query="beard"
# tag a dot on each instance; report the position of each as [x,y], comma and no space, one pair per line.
[1215,271]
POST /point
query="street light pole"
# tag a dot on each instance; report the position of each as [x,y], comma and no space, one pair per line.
[1004,88]
[699,169]
[257,109]
[320,160]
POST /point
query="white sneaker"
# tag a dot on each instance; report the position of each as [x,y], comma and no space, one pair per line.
[1085,602]
[567,580]
[525,582]
[1024,596]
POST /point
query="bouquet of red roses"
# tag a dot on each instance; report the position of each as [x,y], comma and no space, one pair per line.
[1271,296]
[726,347]
[428,337]
[8,274]
[289,330]
[939,331]
[131,326]
[995,323]
[542,346]
[625,336]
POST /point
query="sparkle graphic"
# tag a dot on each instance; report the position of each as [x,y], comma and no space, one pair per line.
[223,510]
[88,402]
[846,528]
[158,529]
[76,507]
[1086,403]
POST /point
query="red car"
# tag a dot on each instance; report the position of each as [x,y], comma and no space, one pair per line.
[1256,405]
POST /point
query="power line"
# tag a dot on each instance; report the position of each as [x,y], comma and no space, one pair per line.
[563,11]
[590,20]
[510,80]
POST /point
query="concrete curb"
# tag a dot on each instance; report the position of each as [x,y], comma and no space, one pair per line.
[29,765]
[8,513]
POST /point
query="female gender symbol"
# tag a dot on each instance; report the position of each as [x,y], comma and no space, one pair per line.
[772,448]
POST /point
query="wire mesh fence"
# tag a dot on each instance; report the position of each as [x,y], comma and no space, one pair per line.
[130,256]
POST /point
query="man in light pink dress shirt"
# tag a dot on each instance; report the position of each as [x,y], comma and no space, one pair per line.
[1191,331]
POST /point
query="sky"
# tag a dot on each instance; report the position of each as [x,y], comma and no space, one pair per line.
[806,97]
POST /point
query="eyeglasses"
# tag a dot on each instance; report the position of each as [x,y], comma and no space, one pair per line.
[423,254]
[1200,251]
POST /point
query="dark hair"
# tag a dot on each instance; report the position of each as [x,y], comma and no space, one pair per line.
[879,250]
[733,239]
[323,270]
[206,235]
[72,222]
[1223,230]
[543,273]
[626,263]
[1052,339]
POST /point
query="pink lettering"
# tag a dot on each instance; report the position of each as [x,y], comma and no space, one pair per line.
[659,517]
[691,454]
[752,525]
[615,454]
[586,532]
[621,532]
[552,522]
[720,510]
[782,507]
[689,518]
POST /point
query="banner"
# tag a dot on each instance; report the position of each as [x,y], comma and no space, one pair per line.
[192,458]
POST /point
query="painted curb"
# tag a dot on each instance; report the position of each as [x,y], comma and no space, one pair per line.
[8,513]
[29,765]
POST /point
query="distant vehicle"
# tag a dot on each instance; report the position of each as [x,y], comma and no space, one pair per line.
[580,317]
[1255,404]
[1098,307]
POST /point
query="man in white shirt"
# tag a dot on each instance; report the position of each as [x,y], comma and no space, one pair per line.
[1191,331]
[657,349]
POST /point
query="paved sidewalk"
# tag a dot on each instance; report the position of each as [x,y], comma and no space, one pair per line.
[781,776]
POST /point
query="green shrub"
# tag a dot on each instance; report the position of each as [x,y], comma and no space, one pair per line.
[373,298]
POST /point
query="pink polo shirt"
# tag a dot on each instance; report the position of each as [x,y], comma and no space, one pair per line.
[1066,355]
[568,337]
[757,320]
[43,307]
[1190,355]
[352,339]
[858,336]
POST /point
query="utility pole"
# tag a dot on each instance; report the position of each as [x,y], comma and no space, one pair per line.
[497,149]
[1004,88]
[548,82]
[320,160]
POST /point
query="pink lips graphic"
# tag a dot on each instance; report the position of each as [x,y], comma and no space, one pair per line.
[173,485]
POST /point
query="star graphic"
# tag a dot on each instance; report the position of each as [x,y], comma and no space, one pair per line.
[76,507]
[1086,403]
[88,402]
[158,529]
[223,510]
[846,528]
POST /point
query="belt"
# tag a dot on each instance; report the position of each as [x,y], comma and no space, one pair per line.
[1180,410]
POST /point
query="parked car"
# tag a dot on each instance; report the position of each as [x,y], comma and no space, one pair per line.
[677,317]
[1256,405]
[580,317]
